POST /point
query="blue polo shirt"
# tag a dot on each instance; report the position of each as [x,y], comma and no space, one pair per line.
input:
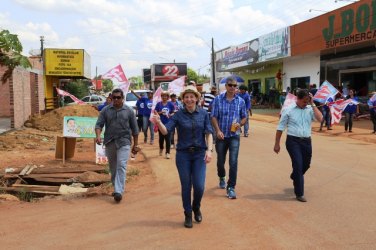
[166,110]
[140,107]
[147,106]
[228,111]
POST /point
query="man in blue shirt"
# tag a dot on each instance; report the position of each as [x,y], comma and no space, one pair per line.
[247,100]
[298,118]
[140,106]
[228,115]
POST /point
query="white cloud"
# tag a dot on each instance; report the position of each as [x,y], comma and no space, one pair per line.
[137,33]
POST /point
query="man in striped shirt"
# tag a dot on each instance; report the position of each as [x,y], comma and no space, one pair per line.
[228,115]
[208,98]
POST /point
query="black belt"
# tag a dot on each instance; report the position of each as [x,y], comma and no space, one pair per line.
[300,138]
[192,149]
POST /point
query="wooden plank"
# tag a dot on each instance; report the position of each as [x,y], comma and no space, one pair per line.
[37,187]
[31,170]
[56,175]
[24,171]
[22,189]
[65,181]
[47,170]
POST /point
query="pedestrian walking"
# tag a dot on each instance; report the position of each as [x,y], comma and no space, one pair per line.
[177,106]
[350,110]
[247,100]
[372,110]
[165,109]
[297,118]
[120,125]
[193,150]
[228,115]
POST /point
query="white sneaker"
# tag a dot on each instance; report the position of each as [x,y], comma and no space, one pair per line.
[172,146]
[160,152]
[167,156]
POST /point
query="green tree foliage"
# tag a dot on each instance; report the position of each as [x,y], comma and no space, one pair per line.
[108,85]
[136,82]
[192,75]
[79,88]
[10,54]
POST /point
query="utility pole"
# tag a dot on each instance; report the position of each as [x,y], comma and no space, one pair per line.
[212,64]
[41,48]
[96,77]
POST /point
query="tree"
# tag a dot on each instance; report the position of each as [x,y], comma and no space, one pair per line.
[108,85]
[135,82]
[192,75]
[10,54]
[79,88]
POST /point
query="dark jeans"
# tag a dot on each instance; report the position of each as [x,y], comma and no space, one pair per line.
[162,139]
[172,136]
[373,119]
[348,121]
[326,118]
[230,144]
[140,122]
[192,172]
[300,151]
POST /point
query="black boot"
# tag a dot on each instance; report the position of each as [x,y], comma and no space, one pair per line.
[198,215]
[188,219]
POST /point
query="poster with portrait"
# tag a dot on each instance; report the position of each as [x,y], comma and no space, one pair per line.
[78,126]
[100,154]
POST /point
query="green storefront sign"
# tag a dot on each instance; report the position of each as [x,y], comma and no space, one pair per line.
[356,26]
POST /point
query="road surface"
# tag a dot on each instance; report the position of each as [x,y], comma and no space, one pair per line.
[340,212]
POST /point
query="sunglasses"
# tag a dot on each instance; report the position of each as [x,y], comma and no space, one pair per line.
[232,85]
[117,97]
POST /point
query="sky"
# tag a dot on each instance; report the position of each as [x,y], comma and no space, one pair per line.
[138,33]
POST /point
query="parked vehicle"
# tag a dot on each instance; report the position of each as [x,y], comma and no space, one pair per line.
[94,100]
[131,99]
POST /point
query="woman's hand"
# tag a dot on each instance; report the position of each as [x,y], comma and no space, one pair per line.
[157,117]
[208,156]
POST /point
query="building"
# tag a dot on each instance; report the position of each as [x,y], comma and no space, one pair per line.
[338,46]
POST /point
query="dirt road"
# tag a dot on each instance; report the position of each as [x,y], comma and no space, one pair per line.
[339,214]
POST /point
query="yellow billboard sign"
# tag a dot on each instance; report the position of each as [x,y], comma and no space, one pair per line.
[64,62]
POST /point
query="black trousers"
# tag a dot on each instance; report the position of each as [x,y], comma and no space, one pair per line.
[164,138]
[300,151]
[373,119]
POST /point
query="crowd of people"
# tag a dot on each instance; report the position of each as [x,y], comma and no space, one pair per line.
[194,123]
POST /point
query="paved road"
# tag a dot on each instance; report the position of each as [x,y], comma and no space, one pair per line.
[339,214]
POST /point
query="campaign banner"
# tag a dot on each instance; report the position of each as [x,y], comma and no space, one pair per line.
[168,71]
[78,126]
[274,45]
[100,154]
[237,56]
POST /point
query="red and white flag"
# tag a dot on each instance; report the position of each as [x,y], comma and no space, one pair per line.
[177,85]
[290,99]
[156,98]
[117,73]
[337,107]
[64,93]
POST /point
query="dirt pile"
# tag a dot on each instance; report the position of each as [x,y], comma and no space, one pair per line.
[53,120]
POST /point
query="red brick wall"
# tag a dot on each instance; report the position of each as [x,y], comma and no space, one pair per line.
[16,94]
[22,96]
[4,96]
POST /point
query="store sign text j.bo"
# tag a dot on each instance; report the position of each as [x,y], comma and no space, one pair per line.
[356,26]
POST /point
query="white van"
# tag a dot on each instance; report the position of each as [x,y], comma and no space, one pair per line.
[131,99]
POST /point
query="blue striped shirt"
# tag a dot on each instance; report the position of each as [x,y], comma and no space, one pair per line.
[297,120]
[226,112]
